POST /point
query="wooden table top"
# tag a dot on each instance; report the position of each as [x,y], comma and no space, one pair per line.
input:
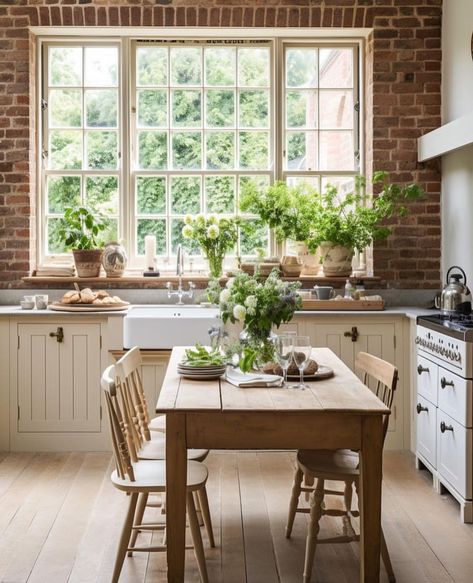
[343,393]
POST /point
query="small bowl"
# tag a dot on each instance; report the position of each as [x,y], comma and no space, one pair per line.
[26,305]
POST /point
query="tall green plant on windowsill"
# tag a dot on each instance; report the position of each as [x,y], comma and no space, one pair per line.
[81,229]
[355,220]
[288,210]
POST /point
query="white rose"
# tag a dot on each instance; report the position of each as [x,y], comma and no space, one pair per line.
[188,219]
[239,312]
[224,296]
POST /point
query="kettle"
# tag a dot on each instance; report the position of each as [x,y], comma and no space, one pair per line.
[455,298]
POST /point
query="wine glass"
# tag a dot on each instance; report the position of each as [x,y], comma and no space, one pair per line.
[301,350]
[283,345]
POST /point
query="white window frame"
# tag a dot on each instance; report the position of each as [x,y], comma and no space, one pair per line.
[280,37]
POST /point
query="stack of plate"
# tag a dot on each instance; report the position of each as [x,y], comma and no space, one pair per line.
[204,373]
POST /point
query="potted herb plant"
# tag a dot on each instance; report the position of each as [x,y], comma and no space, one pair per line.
[354,221]
[214,236]
[289,211]
[80,232]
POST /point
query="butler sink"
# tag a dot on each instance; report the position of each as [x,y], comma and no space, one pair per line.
[166,326]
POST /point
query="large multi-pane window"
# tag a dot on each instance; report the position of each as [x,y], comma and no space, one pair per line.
[200,120]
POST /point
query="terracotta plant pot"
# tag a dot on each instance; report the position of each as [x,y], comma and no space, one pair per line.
[88,262]
[336,259]
[291,265]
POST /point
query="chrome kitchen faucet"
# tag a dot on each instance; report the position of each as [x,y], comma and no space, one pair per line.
[180,292]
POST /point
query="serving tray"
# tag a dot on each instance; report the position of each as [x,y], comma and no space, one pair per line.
[323,372]
[348,305]
[59,307]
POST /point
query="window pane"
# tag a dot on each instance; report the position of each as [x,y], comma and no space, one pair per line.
[336,151]
[301,109]
[191,246]
[336,68]
[220,66]
[111,231]
[156,227]
[254,149]
[336,110]
[301,67]
[101,108]
[186,65]
[152,108]
[187,150]
[344,184]
[152,148]
[65,150]
[151,194]
[151,65]
[102,150]
[65,66]
[65,108]
[313,181]
[301,151]
[220,107]
[253,67]
[185,195]
[54,243]
[259,182]
[220,150]
[101,66]
[253,238]
[62,191]
[254,109]
[220,194]
[102,194]
[186,109]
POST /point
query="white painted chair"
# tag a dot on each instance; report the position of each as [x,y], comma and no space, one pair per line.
[141,478]
[340,466]
[148,444]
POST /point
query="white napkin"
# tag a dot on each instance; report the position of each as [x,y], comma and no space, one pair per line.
[248,380]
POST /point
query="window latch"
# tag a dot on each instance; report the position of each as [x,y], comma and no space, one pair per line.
[44,154]
[44,104]
[356,107]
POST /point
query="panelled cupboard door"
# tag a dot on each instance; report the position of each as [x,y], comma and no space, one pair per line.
[349,338]
[153,371]
[59,381]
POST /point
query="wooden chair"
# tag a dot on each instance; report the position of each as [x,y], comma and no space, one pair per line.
[341,466]
[146,443]
[141,478]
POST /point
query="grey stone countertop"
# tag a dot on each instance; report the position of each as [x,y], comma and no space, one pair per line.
[409,311]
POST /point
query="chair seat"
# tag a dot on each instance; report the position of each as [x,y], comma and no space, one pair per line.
[156,450]
[150,476]
[158,424]
[330,464]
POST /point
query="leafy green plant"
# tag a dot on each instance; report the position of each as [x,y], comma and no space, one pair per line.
[355,219]
[80,229]
[289,210]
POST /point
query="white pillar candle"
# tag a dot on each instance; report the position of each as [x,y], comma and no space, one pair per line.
[150,251]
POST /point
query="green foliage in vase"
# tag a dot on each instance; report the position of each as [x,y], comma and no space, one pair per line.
[215,237]
[289,210]
[356,219]
[80,229]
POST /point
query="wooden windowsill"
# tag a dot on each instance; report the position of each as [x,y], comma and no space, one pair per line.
[160,282]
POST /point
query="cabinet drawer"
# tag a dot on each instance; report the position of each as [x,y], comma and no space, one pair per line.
[454,453]
[454,396]
[426,430]
[427,379]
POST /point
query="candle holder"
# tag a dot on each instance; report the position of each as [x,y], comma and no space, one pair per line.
[152,270]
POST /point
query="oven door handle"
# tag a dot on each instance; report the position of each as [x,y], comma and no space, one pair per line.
[444,383]
[419,408]
[444,427]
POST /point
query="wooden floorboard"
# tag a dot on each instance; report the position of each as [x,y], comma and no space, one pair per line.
[60,519]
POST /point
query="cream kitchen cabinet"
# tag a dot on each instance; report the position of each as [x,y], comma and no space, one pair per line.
[375,334]
[55,394]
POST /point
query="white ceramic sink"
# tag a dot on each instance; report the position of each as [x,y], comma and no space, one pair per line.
[166,326]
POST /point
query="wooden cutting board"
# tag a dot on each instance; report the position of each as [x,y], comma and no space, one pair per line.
[348,305]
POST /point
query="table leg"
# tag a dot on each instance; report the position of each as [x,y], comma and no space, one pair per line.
[371,469]
[176,481]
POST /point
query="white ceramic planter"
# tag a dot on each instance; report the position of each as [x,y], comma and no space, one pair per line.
[336,259]
[310,261]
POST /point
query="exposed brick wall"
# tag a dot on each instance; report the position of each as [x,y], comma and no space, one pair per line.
[403,67]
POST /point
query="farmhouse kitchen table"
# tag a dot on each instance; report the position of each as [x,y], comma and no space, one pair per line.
[340,412]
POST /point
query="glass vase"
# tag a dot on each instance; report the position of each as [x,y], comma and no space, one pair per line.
[262,341]
[215,265]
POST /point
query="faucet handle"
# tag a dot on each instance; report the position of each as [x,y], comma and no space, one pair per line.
[191,285]
[169,285]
